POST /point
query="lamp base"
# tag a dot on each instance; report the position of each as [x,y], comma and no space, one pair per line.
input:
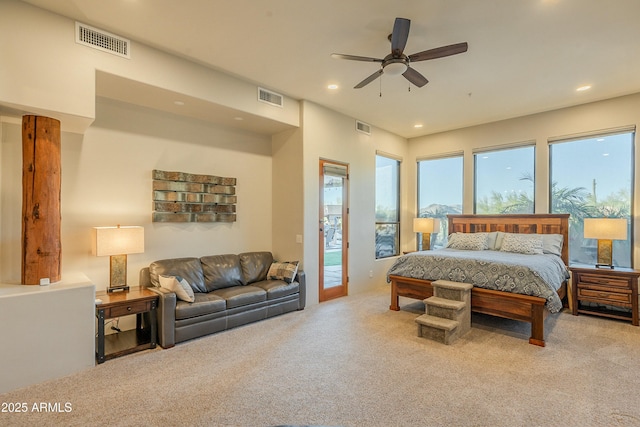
[605,266]
[426,241]
[605,254]
[117,288]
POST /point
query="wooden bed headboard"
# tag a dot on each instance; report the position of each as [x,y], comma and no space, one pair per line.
[515,223]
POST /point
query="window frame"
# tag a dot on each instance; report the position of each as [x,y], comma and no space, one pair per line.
[443,233]
[391,224]
[557,141]
[501,148]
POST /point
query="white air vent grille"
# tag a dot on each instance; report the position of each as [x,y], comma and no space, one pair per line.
[102,40]
[363,127]
[269,97]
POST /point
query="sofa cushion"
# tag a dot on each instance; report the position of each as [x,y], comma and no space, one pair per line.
[178,286]
[204,303]
[255,265]
[187,268]
[283,271]
[238,296]
[221,271]
[278,288]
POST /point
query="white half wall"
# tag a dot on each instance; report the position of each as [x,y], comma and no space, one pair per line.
[56,333]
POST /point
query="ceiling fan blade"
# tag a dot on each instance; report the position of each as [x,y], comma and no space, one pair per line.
[415,77]
[439,52]
[369,79]
[399,36]
[355,58]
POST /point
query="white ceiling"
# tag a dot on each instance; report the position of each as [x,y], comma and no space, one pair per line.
[524,57]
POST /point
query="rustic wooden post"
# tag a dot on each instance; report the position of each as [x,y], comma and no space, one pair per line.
[41,182]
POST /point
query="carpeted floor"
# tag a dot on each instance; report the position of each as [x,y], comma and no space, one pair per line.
[352,362]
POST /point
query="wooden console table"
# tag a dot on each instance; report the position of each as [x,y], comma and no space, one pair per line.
[135,301]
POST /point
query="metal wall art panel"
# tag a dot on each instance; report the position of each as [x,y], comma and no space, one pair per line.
[185,197]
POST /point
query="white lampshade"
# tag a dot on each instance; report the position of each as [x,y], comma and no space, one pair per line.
[426,225]
[605,228]
[117,240]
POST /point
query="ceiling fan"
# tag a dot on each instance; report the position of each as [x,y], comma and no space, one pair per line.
[397,62]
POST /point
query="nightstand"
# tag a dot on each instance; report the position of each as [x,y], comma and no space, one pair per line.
[617,287]
[135,301]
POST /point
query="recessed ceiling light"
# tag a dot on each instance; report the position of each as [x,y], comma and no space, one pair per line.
[180,103]
[418,125]
[332,86]
[238,118]
[583,88]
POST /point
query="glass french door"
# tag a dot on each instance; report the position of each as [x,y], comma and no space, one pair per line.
[333,227]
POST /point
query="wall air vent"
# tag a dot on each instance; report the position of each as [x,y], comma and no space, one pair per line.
[270,98]
[102,40]
[363,127]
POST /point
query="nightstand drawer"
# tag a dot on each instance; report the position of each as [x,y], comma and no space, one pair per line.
[132,308]
[596,295]
[601,280]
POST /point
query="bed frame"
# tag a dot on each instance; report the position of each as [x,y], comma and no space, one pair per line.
[487,301]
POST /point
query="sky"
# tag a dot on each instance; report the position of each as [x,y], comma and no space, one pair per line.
[608,160]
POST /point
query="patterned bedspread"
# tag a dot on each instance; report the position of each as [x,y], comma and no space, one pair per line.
[537,275]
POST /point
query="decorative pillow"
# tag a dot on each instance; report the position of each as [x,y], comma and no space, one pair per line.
[179,286]
[492,240]
[498,242]
[283,271]
[469,241]
[530,244]
[552,244]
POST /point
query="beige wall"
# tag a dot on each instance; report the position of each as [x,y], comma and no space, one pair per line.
[288,196]
[48,73]
[593,117]
[106,180]
[110,148]
[106,170]
[332,136]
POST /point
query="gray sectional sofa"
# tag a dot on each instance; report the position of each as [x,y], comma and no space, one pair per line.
[229,290]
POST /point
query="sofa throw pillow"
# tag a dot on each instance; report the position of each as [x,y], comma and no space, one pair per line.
[469,241]
[283,271]
[179,286]
[530,244]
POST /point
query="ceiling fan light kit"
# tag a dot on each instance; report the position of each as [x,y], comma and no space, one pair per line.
[397,62]
[396,68]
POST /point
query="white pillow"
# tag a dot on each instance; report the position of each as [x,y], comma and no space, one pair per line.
[530,244]
[283,271]
[469,241]
[552,244]
[179,286]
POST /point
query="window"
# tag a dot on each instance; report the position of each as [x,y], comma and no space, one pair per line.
[592,177]
[504,181]
[387,207]
[440,193]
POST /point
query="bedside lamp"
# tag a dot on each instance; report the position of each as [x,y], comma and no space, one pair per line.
[426,226]
[605,230]
[117,242]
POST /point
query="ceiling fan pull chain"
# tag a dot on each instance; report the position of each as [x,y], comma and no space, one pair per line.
[380,88]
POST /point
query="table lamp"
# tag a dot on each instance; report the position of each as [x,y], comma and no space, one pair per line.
[605,230]
[426,226]
[117,242]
